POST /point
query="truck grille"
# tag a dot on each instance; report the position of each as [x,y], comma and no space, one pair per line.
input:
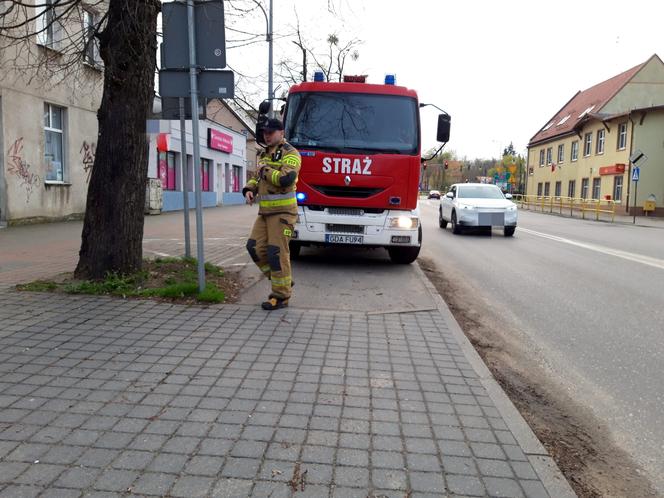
[345,211]
[357,192]
[335,228]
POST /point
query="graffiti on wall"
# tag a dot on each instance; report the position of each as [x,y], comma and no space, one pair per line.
[88,152]
[21,169]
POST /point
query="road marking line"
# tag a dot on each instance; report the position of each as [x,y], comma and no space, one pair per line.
[629,256]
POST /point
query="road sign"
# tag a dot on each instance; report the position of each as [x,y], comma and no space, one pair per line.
[636,173]
[638,158]
[209,32]
[212,84]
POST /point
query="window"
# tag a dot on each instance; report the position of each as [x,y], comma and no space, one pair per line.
[541,163]
[575,151]
[617,188]
[90,43]
[547,189]
[49,29]
[539,189]
[549,153]
[597,187]
[584,188]
[358,123]
[559,188]
[54,143]
[237,173]
[167,170]
[599,149]
[622,136]
[571,188]
[205,175]
[587,144]
[561,153]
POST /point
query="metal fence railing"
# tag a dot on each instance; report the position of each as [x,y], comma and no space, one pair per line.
[567,205]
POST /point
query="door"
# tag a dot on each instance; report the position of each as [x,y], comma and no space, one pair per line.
[446,203]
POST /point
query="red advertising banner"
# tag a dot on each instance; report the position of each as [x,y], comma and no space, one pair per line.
[616,169]
[220,141]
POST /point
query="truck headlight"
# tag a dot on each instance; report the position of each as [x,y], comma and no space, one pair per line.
[404,222]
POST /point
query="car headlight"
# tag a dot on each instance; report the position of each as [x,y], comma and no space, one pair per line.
[404,222]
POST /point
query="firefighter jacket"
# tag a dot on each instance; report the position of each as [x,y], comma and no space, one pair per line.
[275,181]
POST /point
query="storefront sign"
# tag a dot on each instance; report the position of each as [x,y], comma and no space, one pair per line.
[616,169]
[220,141]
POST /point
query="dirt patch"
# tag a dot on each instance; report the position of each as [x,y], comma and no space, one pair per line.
[580,444]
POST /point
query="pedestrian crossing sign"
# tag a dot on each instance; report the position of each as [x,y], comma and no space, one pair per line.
[635,174]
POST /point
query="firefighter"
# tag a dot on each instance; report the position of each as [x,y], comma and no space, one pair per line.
[273,188]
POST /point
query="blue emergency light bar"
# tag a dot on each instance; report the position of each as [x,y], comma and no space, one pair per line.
[390,79]
[319,76]
[301,197]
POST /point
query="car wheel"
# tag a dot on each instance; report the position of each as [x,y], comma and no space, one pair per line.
[441,222]
[456,229]
[509,231]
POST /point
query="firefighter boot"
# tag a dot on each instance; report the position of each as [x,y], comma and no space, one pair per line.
[274,303]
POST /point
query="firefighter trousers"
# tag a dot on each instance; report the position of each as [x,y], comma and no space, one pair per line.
[268,248]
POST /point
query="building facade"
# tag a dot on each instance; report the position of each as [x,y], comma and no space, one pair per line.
[583,151]
[224,113]
[48,121]
[223,166]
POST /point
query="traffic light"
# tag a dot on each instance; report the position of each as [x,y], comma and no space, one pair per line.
[424,165]
[446,164]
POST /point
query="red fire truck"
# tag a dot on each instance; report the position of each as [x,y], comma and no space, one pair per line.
[360,175]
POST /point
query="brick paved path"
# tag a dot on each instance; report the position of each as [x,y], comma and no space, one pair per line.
[103,397]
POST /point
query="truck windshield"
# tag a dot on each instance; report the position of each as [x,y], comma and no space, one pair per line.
[353,122]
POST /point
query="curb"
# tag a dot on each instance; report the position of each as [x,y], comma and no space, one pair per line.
[545,467]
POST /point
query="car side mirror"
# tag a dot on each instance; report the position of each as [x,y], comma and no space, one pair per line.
[508,196]
[443,133]
[449,195]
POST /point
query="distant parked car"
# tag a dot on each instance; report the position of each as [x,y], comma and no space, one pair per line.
[434,194]
[477,205]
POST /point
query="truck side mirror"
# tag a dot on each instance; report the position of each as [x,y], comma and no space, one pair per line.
[443,134]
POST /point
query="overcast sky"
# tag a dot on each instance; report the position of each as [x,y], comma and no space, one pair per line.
[501,69]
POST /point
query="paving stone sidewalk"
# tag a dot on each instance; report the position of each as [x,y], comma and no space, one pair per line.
[103,397]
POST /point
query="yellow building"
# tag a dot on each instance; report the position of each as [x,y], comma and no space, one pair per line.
[583,151]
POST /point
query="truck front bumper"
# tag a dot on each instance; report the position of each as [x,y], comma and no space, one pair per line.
[326,227]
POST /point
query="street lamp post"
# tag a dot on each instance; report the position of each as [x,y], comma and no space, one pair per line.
[268,38]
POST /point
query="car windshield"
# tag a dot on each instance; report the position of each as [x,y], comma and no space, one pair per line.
[353,122]
[479,192]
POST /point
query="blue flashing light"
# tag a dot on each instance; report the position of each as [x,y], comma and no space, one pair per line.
[319,76]
[301,197]
[390,79]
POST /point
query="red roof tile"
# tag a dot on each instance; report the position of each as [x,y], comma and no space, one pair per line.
[589,101]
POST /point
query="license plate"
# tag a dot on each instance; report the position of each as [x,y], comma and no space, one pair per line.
[492,219]
[333,238]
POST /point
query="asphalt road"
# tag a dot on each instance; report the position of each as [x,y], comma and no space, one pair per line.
[588,299]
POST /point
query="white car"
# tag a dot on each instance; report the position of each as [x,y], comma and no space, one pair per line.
[477,205]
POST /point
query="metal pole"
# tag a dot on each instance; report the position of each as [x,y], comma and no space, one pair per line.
[185,177]
[636,186]
[196,144]
[269,62]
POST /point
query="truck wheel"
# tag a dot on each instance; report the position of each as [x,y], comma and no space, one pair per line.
[509,231]
[441,222]
[456,229]
[294,249]
[403,255]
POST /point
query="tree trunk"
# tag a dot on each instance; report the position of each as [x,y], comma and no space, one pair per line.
[113,229]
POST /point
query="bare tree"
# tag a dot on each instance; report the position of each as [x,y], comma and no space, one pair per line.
[66,34]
